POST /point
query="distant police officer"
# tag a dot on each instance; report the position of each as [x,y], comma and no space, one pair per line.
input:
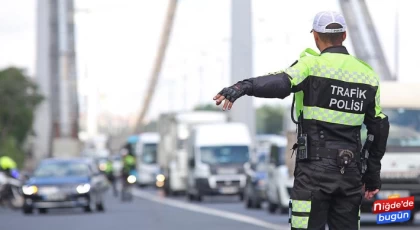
[8,165]
[109,172]
[129,163]
[335,93]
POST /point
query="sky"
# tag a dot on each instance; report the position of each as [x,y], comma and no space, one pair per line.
[117,41]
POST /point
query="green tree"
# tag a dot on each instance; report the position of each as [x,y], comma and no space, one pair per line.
[19,97]
[269,119]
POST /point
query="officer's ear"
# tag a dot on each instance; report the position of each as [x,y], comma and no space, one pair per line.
[344,36]
[316,36]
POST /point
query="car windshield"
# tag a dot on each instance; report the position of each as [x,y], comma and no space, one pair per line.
[224,154]
[404,127]
[62,169]
[149,153]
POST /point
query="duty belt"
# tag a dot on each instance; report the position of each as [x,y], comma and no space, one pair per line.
[321,152]
[343,157]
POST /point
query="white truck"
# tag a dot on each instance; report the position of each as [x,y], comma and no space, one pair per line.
[216,157]
[400,173]
[279,181]
[174,129]
[146,158]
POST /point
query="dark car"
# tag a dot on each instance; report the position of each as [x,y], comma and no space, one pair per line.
[64,183]
[256,180]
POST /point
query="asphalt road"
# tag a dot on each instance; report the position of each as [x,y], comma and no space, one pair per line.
[150,210]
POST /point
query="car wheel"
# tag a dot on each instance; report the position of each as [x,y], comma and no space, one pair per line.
[257,205]
[241,196]
[100,207]
[88,208]
[42,210]
[248,202]
[272,207]
[27,210]
[199,198]
[168,191]
[191,197]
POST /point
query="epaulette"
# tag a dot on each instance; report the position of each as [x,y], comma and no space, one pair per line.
[309,51]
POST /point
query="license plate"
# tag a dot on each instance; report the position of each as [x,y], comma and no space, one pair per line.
[228,190]
[55,196]
[383,195]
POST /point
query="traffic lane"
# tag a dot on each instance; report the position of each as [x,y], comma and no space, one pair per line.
[227,203]
[182,204]
[139,214]
[368,221]
[233,204]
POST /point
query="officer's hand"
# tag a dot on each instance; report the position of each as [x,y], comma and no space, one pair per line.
[229,95]
[372,183]
[370,194]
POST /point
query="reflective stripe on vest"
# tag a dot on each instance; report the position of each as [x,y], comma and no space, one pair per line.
[332,116]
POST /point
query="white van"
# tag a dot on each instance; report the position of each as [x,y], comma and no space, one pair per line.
[217,154]
[174,130]
[146,158]
[279,182]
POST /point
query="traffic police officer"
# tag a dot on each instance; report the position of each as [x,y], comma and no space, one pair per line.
[335,93]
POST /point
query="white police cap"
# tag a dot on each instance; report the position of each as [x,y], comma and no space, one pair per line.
[326,18]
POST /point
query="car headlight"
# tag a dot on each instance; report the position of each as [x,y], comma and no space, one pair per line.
[131,179]
[83,188]
[160,178]
[102,167]
[29,189]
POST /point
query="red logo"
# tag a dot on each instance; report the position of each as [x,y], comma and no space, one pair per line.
[393,205]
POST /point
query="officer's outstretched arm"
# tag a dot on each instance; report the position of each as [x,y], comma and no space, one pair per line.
[276,85]
[377,124]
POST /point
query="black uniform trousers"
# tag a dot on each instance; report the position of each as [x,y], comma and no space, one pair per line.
[321,194]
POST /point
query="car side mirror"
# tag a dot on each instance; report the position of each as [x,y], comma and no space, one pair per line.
[191,163]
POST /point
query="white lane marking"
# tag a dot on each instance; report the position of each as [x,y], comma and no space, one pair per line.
[209,211]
